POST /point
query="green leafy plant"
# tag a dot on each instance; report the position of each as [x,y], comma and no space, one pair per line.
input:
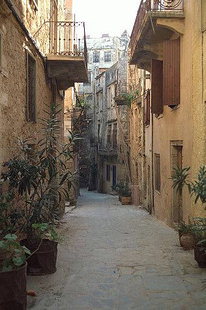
[43,180]
[14,254]
[122,188]
[127,97]
[184,228]
[10,215]
[179,177]
[45,231]
[198,187]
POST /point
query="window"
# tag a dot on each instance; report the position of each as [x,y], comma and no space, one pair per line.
[157,172]
[31,89]
[147,108]
[107,56]
[171,72]
[157,87]
[109,131]
[96,56]
[108,172]
[115,135]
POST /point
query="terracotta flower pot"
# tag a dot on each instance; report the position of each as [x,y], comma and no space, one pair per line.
[200,255]
[187,241]
[13,289]
[126,200]
[43,261]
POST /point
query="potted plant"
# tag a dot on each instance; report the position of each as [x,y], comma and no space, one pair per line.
[199,231]
[43,245]
[13,265]
[124,192]
[186,235]
[40,176]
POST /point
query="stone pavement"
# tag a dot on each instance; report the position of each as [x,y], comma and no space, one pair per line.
[115,257]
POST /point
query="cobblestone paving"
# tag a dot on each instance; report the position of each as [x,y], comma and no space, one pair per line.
[115,257]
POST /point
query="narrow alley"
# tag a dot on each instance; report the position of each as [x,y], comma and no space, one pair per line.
[118,257]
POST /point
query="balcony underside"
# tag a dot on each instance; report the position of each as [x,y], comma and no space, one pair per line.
[67,70]
[146,42]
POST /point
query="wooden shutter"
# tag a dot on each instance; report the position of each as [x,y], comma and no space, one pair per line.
[171,72]
[147,108]
[157,86]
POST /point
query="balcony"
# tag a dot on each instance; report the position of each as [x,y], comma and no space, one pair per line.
[156,21]
[63,43]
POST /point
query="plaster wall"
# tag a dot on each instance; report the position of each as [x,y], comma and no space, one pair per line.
[187,121]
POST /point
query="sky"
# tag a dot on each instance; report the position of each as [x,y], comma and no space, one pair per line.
[106,16]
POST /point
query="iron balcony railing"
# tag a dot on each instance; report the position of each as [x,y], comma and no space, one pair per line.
[153,6]
[63,38]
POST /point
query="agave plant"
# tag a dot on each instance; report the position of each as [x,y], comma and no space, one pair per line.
[179,177]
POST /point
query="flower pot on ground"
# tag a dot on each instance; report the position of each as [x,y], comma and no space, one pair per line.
[186,236]
[126,200]
[44,257]
[122,188]
[200,253]
[200,236]
[43,246]
[13,266]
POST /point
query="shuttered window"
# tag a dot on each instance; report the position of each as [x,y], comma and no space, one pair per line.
[114,135]
[31,89]
[147,108]
[108,172]
[171,72]
[157,87]
[157,172]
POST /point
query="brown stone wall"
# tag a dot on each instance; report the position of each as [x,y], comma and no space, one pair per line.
[13,123]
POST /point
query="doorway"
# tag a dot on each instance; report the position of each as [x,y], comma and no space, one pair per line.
[176,162]
[114,175]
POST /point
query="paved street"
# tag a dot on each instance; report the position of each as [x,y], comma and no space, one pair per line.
[119,257]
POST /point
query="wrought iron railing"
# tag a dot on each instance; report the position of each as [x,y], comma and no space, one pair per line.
[65,38]
[152,6]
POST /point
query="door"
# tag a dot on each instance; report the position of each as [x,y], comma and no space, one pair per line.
[114,175]
[176,162]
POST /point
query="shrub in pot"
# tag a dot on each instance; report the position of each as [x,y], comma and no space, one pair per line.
[13,265]
[186,236]
[199,231]
[42,180]
[124,192]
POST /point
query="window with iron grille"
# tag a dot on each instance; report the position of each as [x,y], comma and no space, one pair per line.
[107,56]
[31,89]
[157,172]
[108,172]
[96,56]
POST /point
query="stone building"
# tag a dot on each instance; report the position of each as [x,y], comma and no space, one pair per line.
[40,58]
[107,63]
[168,41]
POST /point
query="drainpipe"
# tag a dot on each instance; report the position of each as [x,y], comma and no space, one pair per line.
[152,150]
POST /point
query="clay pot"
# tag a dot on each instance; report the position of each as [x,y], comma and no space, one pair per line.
[43,261]
[13,289]
[126,200]
[187,241]
[200,255]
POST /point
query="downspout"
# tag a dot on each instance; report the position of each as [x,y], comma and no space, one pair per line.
[152,164]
